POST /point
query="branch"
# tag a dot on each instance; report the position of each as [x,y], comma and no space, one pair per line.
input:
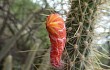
[12,41]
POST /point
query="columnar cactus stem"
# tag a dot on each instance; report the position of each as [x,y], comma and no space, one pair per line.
[79,31]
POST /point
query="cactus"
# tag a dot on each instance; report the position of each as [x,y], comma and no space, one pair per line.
[8,63]
[79,32]
[30,59]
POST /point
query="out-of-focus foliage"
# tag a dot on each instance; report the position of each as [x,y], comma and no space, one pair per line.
[22,8]
[22,20]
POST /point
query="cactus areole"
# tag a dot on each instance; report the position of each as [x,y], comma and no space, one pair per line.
[57,34]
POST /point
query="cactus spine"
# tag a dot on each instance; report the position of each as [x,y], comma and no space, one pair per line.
[79,32]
